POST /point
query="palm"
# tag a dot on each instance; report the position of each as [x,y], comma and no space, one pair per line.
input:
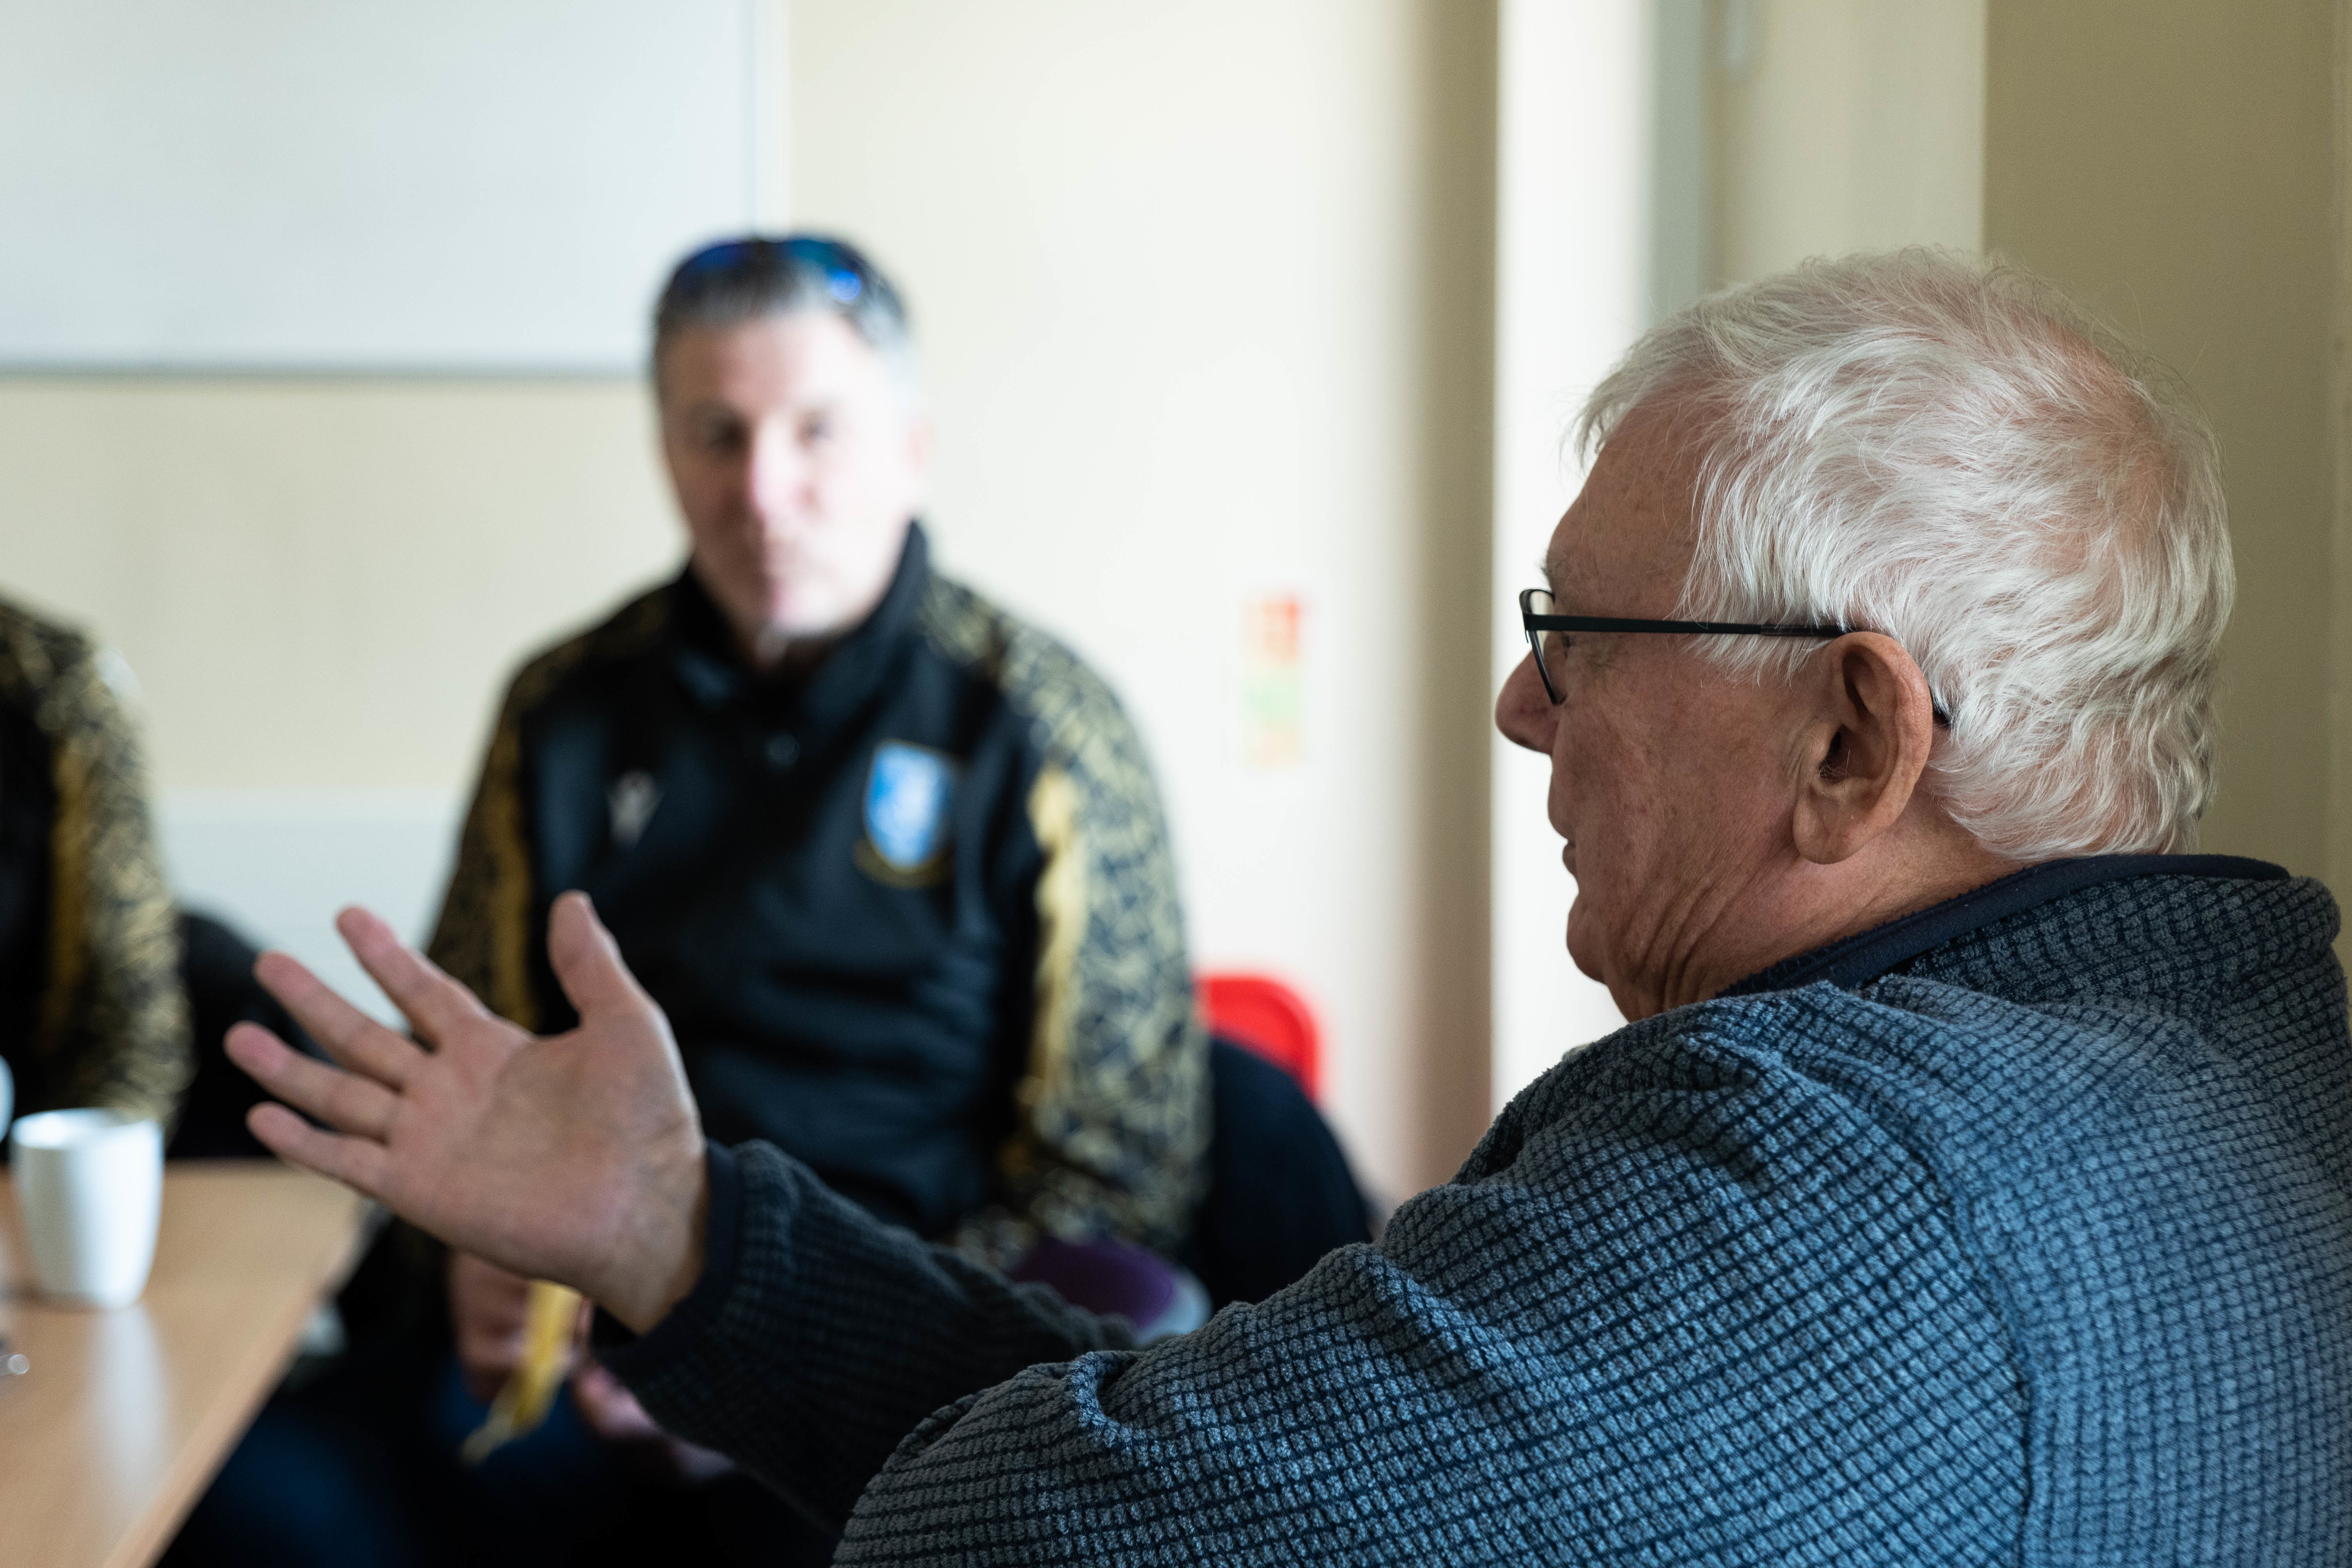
[568,1158]
[478,1149]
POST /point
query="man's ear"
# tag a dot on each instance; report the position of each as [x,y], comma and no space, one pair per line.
[1869,724]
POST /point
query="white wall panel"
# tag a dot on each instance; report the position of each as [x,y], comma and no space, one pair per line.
[322,185]
[277,864]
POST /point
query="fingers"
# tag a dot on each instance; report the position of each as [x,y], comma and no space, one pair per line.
[426,996]
[587,961]
[346,1101]
[355,1162]
[349,1035]
[607,1408]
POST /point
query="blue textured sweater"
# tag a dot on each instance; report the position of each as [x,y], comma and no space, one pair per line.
[2017,1232]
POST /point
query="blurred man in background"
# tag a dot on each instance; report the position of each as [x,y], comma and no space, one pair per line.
[894,863]
[892,859]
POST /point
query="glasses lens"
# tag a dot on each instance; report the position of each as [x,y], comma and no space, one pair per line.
[1548,646]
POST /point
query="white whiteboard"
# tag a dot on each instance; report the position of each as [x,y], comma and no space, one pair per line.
[355,185]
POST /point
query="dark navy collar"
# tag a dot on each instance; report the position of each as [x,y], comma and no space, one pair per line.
[1858,959]
[711,667]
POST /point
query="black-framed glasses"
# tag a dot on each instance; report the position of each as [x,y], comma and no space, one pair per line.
[1536,615]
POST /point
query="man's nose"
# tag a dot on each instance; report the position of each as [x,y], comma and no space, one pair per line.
[773,471]
[1524,711]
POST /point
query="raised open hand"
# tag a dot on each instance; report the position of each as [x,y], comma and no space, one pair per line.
[577,1158]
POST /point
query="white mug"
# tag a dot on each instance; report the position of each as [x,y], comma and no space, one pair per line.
[7,1092]
[90,1186]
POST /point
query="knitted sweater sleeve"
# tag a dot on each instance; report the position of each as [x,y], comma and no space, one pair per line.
[1681,1307]
[821,1336]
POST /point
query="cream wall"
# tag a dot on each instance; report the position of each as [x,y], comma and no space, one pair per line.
[1842,125]
[2176,165]
[2339,432]
[1204,293]
[320,584]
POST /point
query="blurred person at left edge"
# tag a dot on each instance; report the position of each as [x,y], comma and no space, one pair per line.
[92,1010]
[111,997]
[894,864]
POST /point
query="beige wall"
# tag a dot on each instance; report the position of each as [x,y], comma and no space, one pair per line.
[1842,125]
[320,586]
[2173,163]
[2339,430]
[1204,292]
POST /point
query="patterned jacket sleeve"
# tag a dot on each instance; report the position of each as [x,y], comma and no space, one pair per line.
[487,935]
[1113,1109]
[484,935]
[114,1016]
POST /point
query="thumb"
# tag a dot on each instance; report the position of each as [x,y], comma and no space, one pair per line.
[587,961]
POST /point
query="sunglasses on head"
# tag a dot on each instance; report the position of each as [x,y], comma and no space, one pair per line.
[844,273]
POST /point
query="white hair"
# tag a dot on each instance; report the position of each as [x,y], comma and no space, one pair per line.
[1950,453]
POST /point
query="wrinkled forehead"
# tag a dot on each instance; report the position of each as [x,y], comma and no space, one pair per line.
[1624,547]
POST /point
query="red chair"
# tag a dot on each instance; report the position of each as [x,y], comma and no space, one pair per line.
[1270,1019]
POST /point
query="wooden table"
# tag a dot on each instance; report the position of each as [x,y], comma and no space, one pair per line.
[119,1425]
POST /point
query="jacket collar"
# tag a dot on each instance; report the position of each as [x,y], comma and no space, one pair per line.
[714,673]
[1859,960]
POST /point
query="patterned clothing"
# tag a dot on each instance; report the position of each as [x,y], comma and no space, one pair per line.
[2019,1232]
[91,1009]
[913,920]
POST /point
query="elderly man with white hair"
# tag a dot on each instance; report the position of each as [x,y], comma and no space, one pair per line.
[1970,1186]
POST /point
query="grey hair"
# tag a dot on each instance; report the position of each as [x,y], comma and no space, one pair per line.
[732,281]
[1949,452]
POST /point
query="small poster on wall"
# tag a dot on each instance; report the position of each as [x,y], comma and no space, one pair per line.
[1273,682]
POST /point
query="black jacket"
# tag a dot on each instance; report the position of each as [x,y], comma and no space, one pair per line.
[92,1009]
[913,919]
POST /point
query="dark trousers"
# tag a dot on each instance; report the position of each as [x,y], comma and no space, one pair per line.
[357,1468]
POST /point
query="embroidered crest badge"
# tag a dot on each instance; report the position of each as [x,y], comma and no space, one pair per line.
[907,799]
